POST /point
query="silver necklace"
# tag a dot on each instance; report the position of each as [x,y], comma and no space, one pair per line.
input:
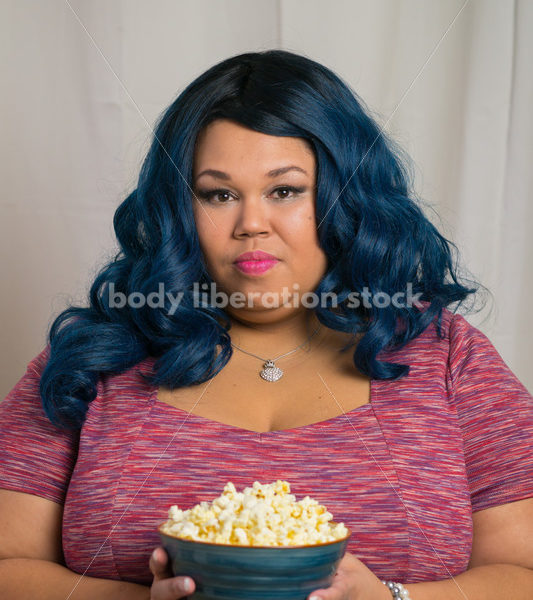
[270,372]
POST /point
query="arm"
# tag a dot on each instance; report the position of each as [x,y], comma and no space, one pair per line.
[37,459]
[501,563]
[496,418]
[31,557]
[28,578]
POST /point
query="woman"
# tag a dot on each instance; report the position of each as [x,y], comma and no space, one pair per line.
[272,221]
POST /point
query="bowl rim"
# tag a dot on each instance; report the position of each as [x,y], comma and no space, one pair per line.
[205,543]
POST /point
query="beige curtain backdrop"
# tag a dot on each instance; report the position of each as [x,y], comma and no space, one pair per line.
[85,80]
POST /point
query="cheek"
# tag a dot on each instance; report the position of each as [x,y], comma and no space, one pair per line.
[300,230]
[208,233]
[212,248]
[307,255]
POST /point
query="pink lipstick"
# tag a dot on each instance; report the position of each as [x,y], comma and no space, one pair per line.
[256,262]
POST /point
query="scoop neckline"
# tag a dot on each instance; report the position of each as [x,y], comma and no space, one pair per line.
[363,408]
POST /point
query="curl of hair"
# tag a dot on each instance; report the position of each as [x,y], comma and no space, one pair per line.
[370,226]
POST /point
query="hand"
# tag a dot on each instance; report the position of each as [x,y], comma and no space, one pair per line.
[165,586]
[353,581]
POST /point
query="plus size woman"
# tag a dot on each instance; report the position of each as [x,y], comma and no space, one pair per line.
[280,308]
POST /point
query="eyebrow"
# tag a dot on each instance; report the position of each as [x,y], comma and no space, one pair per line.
[271,174]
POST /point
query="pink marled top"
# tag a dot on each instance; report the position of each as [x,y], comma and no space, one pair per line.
[404,472]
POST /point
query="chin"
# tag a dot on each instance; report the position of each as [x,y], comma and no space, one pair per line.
[261,315]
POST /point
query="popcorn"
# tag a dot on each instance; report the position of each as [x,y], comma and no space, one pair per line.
[261,515]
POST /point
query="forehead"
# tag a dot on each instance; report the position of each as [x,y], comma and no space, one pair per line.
[227,143]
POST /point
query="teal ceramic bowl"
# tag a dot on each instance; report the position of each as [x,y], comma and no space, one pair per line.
[224,572]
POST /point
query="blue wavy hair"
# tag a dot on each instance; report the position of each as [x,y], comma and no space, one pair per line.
[371,229]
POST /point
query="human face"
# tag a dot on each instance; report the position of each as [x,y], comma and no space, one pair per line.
[244,206]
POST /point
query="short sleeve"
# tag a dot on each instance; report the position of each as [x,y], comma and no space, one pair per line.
[36,457]
[495,413]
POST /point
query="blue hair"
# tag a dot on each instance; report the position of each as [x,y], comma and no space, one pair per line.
[370,227]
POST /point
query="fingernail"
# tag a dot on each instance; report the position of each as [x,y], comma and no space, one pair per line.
[315,598]
[187,585]
[154,555]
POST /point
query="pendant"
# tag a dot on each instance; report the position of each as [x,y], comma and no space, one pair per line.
[270,372]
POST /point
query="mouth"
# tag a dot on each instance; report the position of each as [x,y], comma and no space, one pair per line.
[255,267]
[255,255]
[255,263]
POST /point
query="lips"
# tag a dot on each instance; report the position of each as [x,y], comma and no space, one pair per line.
[256,262]
[255,255]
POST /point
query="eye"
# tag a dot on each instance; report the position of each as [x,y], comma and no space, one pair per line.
[294,191]
[222,196]
[210,196]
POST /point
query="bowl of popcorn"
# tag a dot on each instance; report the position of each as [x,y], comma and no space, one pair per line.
[260,543]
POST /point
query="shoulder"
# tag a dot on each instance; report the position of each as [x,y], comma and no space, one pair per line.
[432,345]
[122,399]
[135,383]
[448,332]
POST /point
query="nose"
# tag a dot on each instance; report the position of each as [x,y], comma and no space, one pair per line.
[252,219]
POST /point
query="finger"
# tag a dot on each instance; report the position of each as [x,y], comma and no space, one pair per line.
[172,588]
[328,594]
[337,591]
[159,564]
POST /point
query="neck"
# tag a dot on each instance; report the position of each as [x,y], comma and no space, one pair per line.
[272,339]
